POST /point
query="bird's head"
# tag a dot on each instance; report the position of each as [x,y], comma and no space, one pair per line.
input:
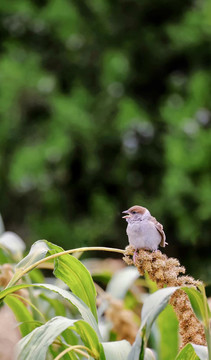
[136,212]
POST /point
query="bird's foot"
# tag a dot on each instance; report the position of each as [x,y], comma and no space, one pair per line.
[135,255]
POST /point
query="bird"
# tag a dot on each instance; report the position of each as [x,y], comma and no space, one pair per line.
[143,230]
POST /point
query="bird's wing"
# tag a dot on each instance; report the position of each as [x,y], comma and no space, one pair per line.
[159,227]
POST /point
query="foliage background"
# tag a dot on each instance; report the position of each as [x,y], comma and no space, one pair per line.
[105,104]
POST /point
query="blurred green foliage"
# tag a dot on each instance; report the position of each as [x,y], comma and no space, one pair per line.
[105,104]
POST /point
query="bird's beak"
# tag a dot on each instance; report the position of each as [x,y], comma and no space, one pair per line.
[126,216]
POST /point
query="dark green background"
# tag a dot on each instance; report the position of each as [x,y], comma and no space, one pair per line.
[103,105]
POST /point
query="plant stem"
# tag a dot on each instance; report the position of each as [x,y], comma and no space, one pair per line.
[24,300]
[18,276]
[206,322]
[76,348]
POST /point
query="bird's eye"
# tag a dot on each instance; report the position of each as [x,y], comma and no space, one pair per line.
[133,212]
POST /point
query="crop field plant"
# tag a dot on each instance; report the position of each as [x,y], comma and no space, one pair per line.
[102,309]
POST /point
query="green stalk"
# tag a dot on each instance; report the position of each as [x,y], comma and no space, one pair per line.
[20,273]
[206,321]
[76,348]
[30,304]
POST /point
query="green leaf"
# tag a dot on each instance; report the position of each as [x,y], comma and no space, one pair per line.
[36,276]
[35,345]
[193,352]
[21,313]
[197,303]
[90,339]
[168,329]
[70,337]
[37,252]
[119,285]
[55,304]
[149,355]
[137,350]
[152,307]
[201,351]
[116,350]
[76,276]
[81,306]
[122,281]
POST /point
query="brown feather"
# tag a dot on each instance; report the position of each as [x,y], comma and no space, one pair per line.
[137,208]
[159,227]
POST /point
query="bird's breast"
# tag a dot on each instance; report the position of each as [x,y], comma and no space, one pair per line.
[143,234]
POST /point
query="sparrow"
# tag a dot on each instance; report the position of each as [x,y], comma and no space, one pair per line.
[143,230]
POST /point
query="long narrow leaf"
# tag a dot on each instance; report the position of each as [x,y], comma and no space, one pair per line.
[117,350]
[193,352]
[168,330]
[119,285]
[35,345]
[21,313]
[55,304]
[196,300]
[122,281]
[149,355]
[37,252]
[90,339]
[152,307]
[81,306]
[76,276]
